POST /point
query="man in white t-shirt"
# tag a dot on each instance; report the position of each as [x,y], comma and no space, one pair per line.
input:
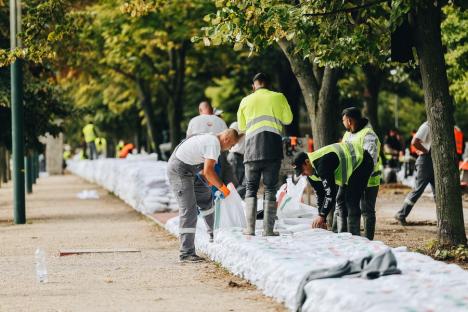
[424,171]
[206,122]
[197,154]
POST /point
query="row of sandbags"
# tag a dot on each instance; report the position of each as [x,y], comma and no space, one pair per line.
[139,181]
[278,266]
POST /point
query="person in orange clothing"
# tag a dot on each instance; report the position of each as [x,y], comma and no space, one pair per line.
[459,142]
[127,149]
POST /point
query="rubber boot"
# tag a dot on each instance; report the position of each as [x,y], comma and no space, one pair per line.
[354,224]
[269,217]
[250,215]
[369,227]
[341,224]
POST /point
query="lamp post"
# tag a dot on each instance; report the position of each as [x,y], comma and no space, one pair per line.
[17,117]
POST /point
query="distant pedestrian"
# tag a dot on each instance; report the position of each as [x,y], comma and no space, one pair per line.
[236,160]
[206,122]
[422,142]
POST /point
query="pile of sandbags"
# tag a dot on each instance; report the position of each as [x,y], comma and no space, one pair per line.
[277,265]
[139,181]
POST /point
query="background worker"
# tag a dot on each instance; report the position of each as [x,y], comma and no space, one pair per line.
[101,147]
[236,160]
[393,148]
[359,131]
[206,122]
[424,171]
[261,116]
[89,132]
[459,142]
[336,165]
[199,152]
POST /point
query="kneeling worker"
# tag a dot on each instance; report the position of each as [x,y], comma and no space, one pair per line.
[199,152]
[336,165]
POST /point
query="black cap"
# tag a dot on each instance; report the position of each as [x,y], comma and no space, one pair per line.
[298,161]
[352,112]
[262,77]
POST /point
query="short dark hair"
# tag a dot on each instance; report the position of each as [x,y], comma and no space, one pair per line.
[262,77]
[352,112]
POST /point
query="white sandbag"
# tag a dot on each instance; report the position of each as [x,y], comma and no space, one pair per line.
[229,211]
[289,199]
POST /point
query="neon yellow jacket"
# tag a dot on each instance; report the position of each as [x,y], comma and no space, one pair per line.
[350,156]
[89,133]
[358,138]
[261,116]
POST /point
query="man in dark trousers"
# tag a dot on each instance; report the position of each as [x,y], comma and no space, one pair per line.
[339,164]
[359,131]
[261,116]
[424,171]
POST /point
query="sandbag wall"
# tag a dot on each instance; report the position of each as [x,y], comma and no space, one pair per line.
[140,181]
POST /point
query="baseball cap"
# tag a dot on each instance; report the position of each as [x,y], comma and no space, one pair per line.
[298,161]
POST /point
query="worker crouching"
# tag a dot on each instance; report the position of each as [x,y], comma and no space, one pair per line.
[336,165]
[195,155]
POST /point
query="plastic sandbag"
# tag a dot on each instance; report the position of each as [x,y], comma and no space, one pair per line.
[289,199]
[229,211]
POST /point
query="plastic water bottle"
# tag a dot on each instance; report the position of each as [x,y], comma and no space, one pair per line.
[41,268]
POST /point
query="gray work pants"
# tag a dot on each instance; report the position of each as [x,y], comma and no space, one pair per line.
[348,198]
[424,176]
[236,161]
[191,193]
[269,169]
[92,150]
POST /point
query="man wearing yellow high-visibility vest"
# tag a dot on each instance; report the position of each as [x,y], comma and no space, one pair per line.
[89,133]
[339,164]
[261,116]
[359,131]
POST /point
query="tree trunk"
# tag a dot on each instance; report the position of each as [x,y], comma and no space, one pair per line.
[177,58]
[318,87]
[371,95]
[326,121]
[290,88]
[439,109]
[144,94]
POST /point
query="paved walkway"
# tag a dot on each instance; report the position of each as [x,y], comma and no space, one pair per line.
[151,280]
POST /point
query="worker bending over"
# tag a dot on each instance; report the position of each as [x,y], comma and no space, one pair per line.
[339,164]
[195,154]
[261,116]
[359,131]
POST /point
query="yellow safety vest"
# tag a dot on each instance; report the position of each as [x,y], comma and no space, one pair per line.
[89,133]
[350,156]
[263,110]
[358,138]
[101,144]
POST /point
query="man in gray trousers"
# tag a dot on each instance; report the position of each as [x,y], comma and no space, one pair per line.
[197,154]
[424,171]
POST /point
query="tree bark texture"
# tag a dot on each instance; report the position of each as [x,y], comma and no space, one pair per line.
[374,77]
[439,109]
[318,86]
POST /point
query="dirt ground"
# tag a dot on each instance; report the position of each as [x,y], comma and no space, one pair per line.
[150,280]
[422,224]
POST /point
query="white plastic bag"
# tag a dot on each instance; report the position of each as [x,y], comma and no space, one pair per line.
[229,211]
[289,200]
